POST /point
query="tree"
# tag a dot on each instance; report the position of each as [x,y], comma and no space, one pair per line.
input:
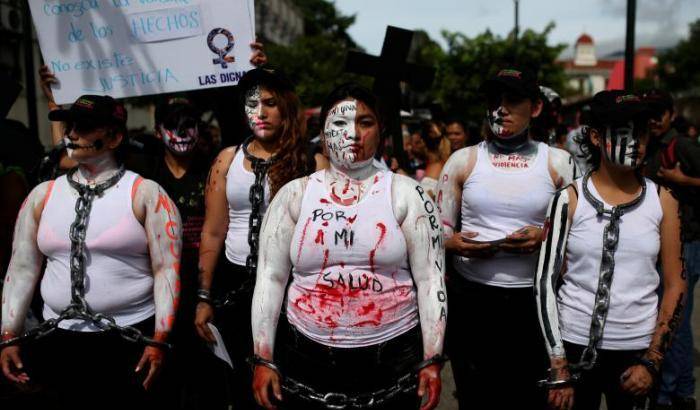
[679,67]
[315,62]
[468,62]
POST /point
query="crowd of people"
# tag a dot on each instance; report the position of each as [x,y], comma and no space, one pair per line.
[552,265]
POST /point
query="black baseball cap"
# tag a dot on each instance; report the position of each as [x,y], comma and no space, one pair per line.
[266,77]
[617,106]
[519,82]
[97,109]
[175,107]
[659,100]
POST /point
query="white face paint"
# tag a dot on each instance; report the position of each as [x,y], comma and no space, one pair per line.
[253,107]
[72,147]
[181,141]
[621,146]
[496,118]
[341,137]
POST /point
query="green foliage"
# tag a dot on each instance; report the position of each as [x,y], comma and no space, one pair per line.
[315,64]
[321,18]
[316,61]
[679,67]
[468,62]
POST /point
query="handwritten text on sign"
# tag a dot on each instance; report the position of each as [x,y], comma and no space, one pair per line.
[138,47]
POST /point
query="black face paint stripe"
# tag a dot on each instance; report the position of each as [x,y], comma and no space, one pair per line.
[623,151]
[613,145]
[559,256]
[543,280]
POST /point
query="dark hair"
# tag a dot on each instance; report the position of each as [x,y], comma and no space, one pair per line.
[357,92]
[459,121]
[590,151]
[426,127]
[293,160]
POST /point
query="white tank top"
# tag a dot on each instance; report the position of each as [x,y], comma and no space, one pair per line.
[351,284]
[496,203]
[633,301]
[238,182]
[118,275]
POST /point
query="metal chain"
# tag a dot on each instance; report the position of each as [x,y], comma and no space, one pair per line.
[339,401]
[611,235]
[79,308]
[256,197]
[407,383]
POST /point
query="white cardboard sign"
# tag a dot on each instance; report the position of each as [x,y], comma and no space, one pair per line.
[127,48]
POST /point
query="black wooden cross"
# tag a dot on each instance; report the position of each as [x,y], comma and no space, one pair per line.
[389,70]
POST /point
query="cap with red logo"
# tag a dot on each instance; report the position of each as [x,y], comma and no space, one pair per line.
[98,109]
[522,83]
[617,106]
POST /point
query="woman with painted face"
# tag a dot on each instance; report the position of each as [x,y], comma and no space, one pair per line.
[110,240]
[606,329]
[435,151]
[365,303]
[241,183]
[492,199]
[181,166]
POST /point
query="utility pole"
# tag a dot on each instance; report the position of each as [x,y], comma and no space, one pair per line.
[516,31]
[629,45]
[29,86]
[517,26]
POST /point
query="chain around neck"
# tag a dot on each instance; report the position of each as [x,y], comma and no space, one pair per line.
[252,158]
[98,188]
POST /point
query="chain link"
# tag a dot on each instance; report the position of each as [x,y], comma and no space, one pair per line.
[611,235]
[340,401]
[78,308]
[256,197]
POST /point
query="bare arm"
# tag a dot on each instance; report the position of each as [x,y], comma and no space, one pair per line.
[677,176]
[213,235]
[674,279]
[47,78]
[550,265]
[23,273]
[420,223]
[274,265]
[216,217]
[25,264]
[449,188]
[562,167]
[161,220]
[449,203]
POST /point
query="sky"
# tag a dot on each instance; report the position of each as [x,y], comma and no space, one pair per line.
[660,23]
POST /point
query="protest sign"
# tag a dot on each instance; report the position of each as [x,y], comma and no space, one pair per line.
[129,48]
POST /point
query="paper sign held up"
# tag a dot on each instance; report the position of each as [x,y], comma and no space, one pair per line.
[127,48]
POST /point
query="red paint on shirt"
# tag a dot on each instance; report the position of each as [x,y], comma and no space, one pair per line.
[382,233]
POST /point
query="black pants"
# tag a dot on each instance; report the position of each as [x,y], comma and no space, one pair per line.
[85,370]
[352,371]
[495,346]
[234,324]
[192,377]
[604,379]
